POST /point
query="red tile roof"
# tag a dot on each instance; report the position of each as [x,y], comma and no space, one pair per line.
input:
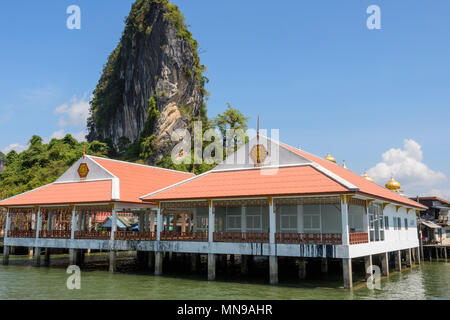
[365,186]
[136,180]
[252,183]
[297,180]
[64,193]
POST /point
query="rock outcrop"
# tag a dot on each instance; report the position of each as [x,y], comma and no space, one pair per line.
[156,59]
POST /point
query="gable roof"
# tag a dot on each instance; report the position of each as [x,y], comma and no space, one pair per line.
[365,187]
[252,183]
[107,181]
[63,193]
[305,175]
[137,179]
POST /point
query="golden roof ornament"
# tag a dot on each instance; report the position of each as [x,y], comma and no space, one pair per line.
[367,177]
[83,171]
[330,158]
[258,153]
[393,185]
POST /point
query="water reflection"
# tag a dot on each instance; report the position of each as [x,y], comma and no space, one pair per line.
[430,281]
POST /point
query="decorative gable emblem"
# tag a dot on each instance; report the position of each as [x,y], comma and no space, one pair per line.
[259,154]
[83,171]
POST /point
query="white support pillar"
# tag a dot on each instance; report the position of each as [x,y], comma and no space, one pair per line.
[152,221]
[409,258]
[347,272]
[273,222]
[344,217]
[211,222]
[112,253]
[368,266]
[273,266]
[160,224]
[368,220]
[89,228]
[418,255]
[158,263]
[244,265]
[398,260]
[74,223]
[301,268]
[300,218]
[183,223]
[324,265]
[211,267]
[159,229]
[211,229]
[243,219]
[194,220]
[73,252]
[49,228]
[385,264]
[141,222]
[273,260]
[146,221]
[37,250]
[5,238]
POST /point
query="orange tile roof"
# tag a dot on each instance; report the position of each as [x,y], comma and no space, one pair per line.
[365,186]
[64,193]
[136,180]
[251,183]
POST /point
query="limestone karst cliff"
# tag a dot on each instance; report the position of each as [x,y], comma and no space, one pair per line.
[153,82]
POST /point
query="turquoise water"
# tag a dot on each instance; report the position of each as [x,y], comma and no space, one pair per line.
[429,281]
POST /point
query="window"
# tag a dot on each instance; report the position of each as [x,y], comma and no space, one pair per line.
[386,223]
[233,223]
[376,224]
[287,219]
[311,218]
[399,223]
[257,219]
[406,224]
[253,223]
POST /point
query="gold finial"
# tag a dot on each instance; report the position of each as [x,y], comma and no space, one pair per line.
[367,177]
[330,158]
[344,165]
[393,185]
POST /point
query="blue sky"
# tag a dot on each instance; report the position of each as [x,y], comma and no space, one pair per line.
[310,68]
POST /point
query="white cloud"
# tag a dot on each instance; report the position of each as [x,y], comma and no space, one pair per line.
[57,134]
[79,136]
[74,113]
[16,147]
[441,193]
[407,166]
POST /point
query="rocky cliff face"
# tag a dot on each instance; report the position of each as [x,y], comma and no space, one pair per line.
[153,82]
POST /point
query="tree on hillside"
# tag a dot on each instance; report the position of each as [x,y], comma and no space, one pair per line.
[232,119]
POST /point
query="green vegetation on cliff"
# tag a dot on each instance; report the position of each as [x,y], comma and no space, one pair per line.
[108,95]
